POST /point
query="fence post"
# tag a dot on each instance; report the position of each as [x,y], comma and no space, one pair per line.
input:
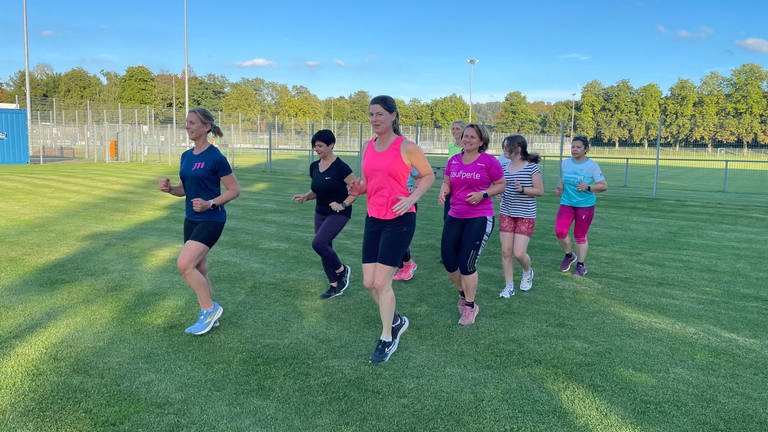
[658,151]
[725,177]
[562,144]
[360,151]
[269,147]
[312,132]
[626,173]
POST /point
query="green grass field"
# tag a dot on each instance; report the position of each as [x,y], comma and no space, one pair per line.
[666,333]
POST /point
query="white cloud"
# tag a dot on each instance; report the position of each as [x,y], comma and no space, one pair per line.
[575,56]
[339,63]
[700,34]
[312,64]
[47,33]
[257,62]
[753,44]
[661,28]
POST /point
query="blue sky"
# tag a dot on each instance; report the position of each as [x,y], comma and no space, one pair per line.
[408,49]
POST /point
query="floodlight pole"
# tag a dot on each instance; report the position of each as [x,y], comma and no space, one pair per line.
[573,111]
[27,86]
[472,63]
[186,63]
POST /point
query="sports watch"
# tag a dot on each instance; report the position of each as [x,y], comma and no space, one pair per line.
[213,204]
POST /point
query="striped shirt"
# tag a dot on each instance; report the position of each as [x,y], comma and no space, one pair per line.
[513,202]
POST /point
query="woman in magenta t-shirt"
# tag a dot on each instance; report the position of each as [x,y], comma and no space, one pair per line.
[472,177]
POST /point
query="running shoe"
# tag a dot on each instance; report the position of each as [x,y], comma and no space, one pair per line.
[580,270]
[461,303]
[400,273]
[568,261]
[527,280]
[383,351]
[399,328]
[206,320]
[344,278]
[409,268]
[332,291]
[468,315]
[509,290]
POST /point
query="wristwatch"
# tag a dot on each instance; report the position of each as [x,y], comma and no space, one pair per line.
[344,204]
[485,194]
[213,204]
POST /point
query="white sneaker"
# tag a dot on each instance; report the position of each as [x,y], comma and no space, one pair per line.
[508,290]
[527,280]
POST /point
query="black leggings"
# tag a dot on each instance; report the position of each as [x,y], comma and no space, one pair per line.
[463,241]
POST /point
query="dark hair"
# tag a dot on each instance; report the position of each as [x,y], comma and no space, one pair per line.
[207,118]
[584,140]
[481,133]
[512,142]
[389,105]
[325,136]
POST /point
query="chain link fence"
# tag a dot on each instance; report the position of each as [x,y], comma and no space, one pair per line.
[141,135]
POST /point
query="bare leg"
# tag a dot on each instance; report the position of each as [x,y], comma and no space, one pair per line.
[191,261]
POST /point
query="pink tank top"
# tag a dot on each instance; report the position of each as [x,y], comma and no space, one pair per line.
[386,176]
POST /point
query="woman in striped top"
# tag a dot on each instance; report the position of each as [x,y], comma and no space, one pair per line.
[518,210]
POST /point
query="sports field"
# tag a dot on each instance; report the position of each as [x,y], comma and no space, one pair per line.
[666,333]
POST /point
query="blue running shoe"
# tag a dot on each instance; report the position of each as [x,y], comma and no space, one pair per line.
[383,351]
[206,320]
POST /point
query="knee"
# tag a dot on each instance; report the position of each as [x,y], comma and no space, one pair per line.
[561,233]
[507,253]
[520,255]
[184,266]
[319,246]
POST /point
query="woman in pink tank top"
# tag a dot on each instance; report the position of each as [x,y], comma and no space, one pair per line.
[391,219]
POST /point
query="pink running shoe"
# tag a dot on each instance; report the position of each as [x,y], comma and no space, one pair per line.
[400,273]
[461,304]
[468,315]
[409,268]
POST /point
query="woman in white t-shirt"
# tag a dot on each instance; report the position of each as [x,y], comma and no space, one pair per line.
[518,210]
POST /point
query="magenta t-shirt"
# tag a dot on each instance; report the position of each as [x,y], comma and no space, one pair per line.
[474,177]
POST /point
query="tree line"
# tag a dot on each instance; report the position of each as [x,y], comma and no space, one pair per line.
[717,110]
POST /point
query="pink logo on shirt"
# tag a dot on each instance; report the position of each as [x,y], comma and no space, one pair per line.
[198,165]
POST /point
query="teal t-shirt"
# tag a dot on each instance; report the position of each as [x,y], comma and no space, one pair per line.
[574,173]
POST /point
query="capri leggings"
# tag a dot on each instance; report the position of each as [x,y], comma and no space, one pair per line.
[463,241]
[582,217]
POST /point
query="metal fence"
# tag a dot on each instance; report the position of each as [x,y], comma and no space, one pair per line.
[133,135]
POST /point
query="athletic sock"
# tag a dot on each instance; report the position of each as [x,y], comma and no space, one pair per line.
[461,293]
[470,304]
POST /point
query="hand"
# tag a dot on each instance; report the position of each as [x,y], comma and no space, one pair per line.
[559,190]
[200,205]
[164,185]
[300,198]
[337,207]
[441,197]
[357,187]
[403,205]
[581,186]
[518,187]
[474,198]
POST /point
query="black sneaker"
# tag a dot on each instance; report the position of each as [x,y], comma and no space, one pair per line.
[344,278]
[383,351]
[332,291]
[399,328]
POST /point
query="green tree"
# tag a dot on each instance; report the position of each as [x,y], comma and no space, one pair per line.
[516,115]
[420,112]
[748,101]
[110,87]
[240,104]
[647,101]
[710,109]
[589,106]
[552,120]
[678,112]
[208,91]
[76,87]
[136,87]
[358,106]
[618,112]
[448,109]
